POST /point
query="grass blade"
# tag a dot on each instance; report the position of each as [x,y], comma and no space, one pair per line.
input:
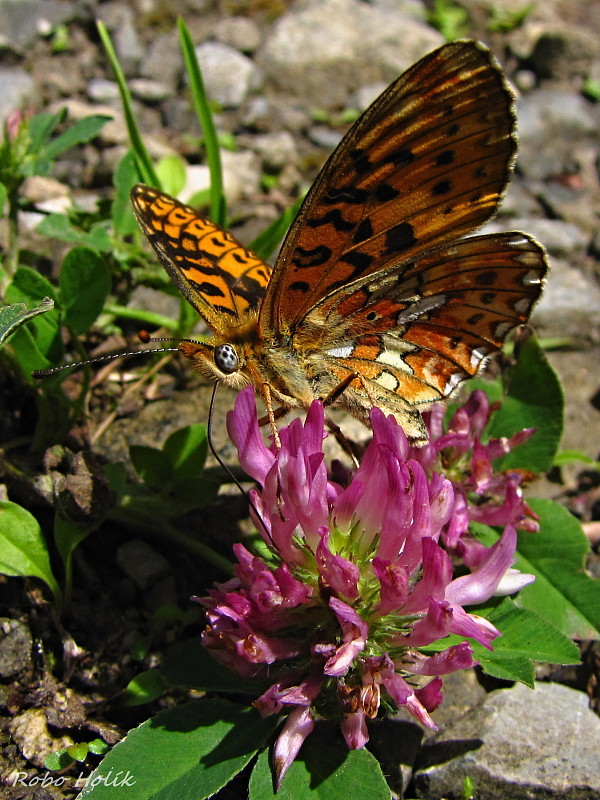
[218,210]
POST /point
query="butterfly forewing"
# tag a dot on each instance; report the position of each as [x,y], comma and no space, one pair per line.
[221,278]
[426,162]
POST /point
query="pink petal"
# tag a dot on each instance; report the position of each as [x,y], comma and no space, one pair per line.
[298,726]
[481,584]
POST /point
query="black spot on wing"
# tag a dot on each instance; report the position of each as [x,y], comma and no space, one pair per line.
[384,193]
[311,258]
[335,217]
[441,187]
[444,158]
[300,286]
[486,278]
[363,231]
[399,238]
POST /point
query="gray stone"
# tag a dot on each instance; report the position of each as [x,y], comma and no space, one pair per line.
[565,53]
[141,563]
[15,647]
[228,75]
[324,137]
[119,18]
[162,61]
[148,90]
[241,33]
[550,121]
[275,149]
[101,90]
[22,21]
[518,744]
[16,90]
[570,305]
[319,49]
[558,237]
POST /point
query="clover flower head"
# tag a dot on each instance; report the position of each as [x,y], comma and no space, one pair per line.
[357,584]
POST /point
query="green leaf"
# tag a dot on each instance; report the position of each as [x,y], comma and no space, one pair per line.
[42,126]
[535,399]
[80,132]
[266,242]
[59,226]
[188,753]
[563,593]
[29,284]
[525,637]
[187,449]
[574,457]
[3,198]
[124,177]
[41,337]
[190,666]
[84,285]
[172,173]
[144,688]
[78,751]
[23,548]
[151,464]
[67,536]
[323,770]
[39,342]
[13,316]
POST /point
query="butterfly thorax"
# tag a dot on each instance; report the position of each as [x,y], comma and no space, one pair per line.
[257,359]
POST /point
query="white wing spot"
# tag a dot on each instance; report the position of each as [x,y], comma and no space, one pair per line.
[387,380]
[341,352]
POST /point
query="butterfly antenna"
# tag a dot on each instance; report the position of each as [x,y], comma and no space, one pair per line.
[44,373]
[226,468]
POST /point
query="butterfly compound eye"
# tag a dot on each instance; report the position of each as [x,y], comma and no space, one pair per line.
[226,358]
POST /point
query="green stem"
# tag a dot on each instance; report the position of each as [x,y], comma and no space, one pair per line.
[147,317]
[211,141]
[147,526]
[144,162]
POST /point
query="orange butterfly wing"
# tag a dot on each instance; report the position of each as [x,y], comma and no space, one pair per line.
[222,280]
[426,162]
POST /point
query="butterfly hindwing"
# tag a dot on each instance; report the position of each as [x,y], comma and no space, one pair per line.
[420,329]
[220,278]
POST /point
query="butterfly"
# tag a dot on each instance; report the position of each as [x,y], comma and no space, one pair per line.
[375,298]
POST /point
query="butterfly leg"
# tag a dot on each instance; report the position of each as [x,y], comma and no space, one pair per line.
[272,415]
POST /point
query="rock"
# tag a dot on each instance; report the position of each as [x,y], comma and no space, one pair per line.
[362,98]
[148,90]
[141,563]
[15,647]
[163,61]
[564,53]
[228,75]
[16,90]
[241,33]
[22,21]
[558,237]
[119,18]
[324,137]
[241,176]
[517,744]
[275,149]
[549,122]
[318,50]
[101,90]
[569,305]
